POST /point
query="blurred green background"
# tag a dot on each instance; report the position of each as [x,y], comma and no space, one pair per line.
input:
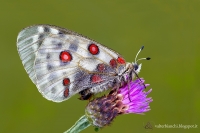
[169,29]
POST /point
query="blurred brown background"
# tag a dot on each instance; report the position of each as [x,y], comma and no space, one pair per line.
[169,29]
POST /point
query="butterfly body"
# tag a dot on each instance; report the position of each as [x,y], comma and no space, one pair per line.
[62,63]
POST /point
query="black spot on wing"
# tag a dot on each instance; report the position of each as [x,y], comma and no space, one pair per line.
[41,36]
[74,45]
[49,67]
[53,90]
[48,56]
[46,29]
[40,43]
[61,34]
[64,63]
[59,45]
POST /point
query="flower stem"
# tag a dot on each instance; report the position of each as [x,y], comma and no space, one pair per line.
[80,125]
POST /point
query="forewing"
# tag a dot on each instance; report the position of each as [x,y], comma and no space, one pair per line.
[61,64]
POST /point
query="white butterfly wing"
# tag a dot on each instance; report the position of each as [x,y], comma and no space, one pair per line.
[61,63]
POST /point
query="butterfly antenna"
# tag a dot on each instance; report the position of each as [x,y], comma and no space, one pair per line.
[148,58]
[136,60]
[138,53]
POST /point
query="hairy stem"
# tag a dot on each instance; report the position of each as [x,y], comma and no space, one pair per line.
[80,125]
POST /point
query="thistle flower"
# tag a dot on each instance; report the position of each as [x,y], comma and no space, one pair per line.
[103,110]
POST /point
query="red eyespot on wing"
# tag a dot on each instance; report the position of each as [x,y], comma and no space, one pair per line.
[120,60]
[66,92]
[93,49]
[101,67]
[113,63]
[66,81]
[96,78]
[65,56]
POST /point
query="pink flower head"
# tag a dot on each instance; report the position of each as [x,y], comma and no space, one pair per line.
[135,98]
[128,99]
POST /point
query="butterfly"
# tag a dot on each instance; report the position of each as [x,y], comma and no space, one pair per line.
[62,63]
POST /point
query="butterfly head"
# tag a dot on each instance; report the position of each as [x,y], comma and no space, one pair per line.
[136,67]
